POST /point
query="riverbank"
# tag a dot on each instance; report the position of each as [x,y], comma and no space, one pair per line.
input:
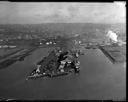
[4,53]
[17,56]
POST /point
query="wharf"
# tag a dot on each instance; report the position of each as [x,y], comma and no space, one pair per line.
[114,53]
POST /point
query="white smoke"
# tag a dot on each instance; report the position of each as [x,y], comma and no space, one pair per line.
[112,36]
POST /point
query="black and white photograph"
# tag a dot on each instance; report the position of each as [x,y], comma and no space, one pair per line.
[62,51]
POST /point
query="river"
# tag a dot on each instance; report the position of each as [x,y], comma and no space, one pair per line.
[98,79]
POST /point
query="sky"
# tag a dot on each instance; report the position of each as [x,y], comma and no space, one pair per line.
[56,12]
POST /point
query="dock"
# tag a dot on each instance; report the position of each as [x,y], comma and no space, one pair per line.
[114,53]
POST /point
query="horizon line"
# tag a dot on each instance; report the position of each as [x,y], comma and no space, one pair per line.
[60,23]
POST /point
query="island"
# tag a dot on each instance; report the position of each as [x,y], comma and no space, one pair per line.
[57,63]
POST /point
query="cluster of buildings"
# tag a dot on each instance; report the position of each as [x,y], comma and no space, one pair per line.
[7,46]
[50,42]
[3,45]
[69,60]
[43,41]
[77,42]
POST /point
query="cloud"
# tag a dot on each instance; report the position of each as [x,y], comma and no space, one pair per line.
[62,12]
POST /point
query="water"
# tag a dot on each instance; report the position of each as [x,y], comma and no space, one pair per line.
[98,79]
